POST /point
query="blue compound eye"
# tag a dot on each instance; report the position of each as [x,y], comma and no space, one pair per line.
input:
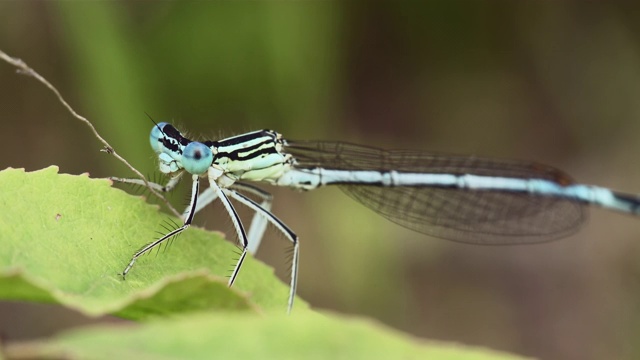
[196,158]
[156,134]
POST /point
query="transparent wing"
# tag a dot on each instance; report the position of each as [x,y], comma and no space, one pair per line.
[470,216]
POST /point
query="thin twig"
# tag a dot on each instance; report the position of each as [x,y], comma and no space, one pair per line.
[23,68]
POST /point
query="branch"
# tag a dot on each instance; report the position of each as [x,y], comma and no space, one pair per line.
[24,69]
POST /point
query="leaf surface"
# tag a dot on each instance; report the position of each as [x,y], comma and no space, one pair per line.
[307,335]
[65,239]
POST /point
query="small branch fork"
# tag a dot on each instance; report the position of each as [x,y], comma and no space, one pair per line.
[24,69]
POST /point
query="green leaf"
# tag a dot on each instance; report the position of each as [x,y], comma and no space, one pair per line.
[66,238]
[306,335]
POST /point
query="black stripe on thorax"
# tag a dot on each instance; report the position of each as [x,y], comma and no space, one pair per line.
[235,155]
[243,138]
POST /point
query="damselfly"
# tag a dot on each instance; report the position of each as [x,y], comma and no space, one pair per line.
[466,199]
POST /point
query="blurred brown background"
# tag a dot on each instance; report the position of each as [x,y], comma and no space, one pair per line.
[555,83]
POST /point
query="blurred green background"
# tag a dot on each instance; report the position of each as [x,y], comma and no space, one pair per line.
[555,83]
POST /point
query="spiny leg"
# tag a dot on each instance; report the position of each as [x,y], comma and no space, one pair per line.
[284,229]
[258,223]
[187,222]
[237,224]
[166,188]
